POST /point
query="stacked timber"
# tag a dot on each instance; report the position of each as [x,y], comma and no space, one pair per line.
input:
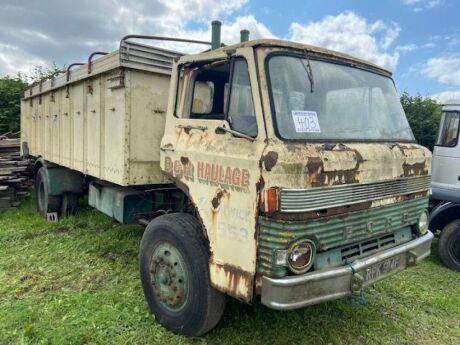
[15,175]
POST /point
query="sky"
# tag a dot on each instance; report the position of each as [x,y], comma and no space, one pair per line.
[419,40]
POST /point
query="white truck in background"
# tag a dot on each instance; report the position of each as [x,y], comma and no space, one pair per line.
[445,198]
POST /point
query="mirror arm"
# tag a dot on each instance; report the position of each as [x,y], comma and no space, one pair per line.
[235,133]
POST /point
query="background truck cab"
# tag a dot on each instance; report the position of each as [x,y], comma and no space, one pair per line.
[445,198]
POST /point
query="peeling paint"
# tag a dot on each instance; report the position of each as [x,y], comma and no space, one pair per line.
[216,200]
[237,282]
[269,160]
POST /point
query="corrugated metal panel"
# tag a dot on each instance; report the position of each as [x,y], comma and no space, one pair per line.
[334,231]
[130,55]
[313,199]
[146,58]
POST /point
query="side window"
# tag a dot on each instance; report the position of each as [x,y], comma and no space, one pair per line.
[241,115]
[209,89]
[449,130]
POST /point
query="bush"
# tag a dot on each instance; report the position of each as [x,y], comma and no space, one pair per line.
[11,90]
[423,114]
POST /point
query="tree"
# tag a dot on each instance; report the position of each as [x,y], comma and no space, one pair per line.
[11,90]
[423,114]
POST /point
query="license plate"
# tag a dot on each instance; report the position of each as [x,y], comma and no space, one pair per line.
[384,268]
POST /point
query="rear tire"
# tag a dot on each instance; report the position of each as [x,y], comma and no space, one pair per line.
[175,275]
[45,202]
[449,245]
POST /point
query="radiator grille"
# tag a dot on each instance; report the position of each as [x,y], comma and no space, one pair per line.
[320,198]
[335,231]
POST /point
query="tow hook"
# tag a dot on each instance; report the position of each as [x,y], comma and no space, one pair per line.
[357,284]
[357,297]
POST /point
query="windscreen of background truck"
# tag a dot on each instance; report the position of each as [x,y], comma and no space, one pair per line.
[322,100]
[448,130]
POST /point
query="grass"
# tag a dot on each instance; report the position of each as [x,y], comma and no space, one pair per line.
[76,282]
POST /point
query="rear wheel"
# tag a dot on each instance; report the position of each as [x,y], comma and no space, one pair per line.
[449,245]
[175,275]
[45,202]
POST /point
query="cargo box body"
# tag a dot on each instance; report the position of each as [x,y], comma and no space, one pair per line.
[105,118]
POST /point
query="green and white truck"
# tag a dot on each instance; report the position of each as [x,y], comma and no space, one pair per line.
[266,168]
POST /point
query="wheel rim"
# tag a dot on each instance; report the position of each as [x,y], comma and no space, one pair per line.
[454,248]
[41,196]
[168,276]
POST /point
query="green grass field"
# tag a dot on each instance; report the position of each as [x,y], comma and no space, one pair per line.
[76,282]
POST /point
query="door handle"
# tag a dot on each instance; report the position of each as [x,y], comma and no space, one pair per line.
[167,147]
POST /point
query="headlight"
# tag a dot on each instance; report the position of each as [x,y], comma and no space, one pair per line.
[300,257]
[422,225]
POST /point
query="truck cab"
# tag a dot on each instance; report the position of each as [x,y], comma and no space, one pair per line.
[302,167]
[445,198]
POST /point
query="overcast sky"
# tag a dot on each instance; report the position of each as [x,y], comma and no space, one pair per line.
[417,39]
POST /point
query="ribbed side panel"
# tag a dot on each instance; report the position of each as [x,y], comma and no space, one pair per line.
[319,198]
[334,231]
[139,56]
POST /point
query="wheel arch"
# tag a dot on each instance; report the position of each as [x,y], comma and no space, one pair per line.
[196,213]
[39,162]
[443,214]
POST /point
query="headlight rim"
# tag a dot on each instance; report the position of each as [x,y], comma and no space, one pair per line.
[312,258]
[422,230]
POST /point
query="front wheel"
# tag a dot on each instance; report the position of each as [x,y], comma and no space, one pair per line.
[449,245]
[175,275]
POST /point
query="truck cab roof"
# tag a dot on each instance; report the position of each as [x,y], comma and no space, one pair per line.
[451,105]
[313,50]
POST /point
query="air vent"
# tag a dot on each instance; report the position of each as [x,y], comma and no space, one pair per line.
[367,246]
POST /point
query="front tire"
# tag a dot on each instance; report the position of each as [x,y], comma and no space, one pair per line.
[175,275]
[449,245]
[45,202]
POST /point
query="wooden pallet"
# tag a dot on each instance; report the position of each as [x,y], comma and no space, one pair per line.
[15,174]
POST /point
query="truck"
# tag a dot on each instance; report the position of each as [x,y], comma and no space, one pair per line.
[265,169]
[445,197]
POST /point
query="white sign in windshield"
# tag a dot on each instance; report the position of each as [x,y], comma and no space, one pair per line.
[306,121]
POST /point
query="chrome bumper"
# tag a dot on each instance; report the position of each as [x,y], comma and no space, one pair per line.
[316,287]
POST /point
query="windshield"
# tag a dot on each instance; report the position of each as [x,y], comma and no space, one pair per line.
[448,130]
[321,100]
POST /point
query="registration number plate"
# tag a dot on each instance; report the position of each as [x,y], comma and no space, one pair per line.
[384,268]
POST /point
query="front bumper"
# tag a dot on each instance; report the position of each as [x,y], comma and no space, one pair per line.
[316,287]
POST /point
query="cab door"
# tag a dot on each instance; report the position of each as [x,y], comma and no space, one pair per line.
[446,156]
[211,148]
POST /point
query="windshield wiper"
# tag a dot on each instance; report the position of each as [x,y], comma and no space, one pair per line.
[309,71]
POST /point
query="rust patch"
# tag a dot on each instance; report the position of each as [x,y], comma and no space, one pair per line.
[319,177]
[236,279]
[416,169]
[322,215]
[215,202]
[260,184]
[292,148]
[184,160]
[359,157]
[269,160]
[327,147]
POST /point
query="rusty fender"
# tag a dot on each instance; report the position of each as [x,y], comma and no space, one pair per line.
[235,281]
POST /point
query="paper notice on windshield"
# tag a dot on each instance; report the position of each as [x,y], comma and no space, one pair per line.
[306,121]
